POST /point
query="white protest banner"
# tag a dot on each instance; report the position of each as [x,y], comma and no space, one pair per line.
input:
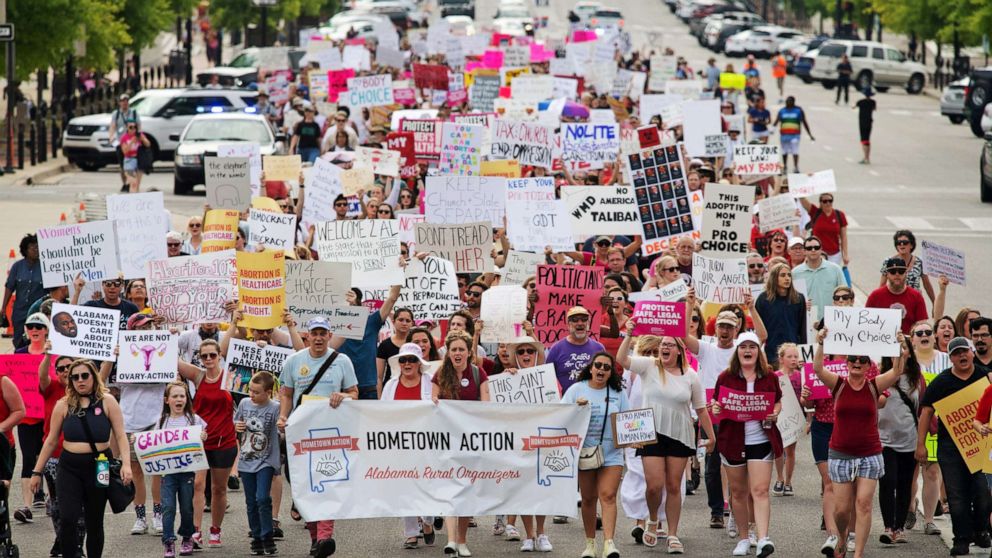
[193,289]
[271,230]
[663,69]
[171,450]
[371,245]
[147,357]
[245,149]
[323,185]
[431,289]
[654,105]
[716,145]
[689,89]
[519,266]
[777,212]
[84,331]
[347,321]
[862,331]
[244,358]
[791,419]
[461,149]
[813,184]
[87,249]
[527,142]
[381,161]
[699,120]
[516,56]
[228,181]
[943,260]
[467,245]
[757,160]
[504,309]
[369,91]
[453,458]
[529,385]
[312,286]
[359,58]
[669,293]
[727,219]
[389,57]
[590,142]
[602,209]
[634,427]
[565,87]
[532,88]
[465,199]
[534,218]
[141,223]
[723,281]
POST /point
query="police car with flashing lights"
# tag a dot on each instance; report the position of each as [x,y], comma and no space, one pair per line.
[162,112]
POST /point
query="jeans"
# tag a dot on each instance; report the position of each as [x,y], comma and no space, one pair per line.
[367,392]
[967,494]
[309,154]
[177,486]
[714,484]
[895,486]
[258,500]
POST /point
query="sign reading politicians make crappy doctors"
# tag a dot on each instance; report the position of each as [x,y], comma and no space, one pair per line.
[369,91]
[727,220]
[723,281]
[956,412]
[68,251]
[170,450]
[659,318]
[602,209]
[943,260]
[861,331]
[84,331]
[147,357]
[454,458]
[193,289]
[528,385]
[372,246]
[560,287]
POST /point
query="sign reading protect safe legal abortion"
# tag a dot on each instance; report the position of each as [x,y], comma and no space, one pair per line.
[862,331]
[740,406]
[817,389]
[659,318]
[170,450]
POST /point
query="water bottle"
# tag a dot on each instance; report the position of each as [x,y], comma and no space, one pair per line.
[102,471]
[701,451]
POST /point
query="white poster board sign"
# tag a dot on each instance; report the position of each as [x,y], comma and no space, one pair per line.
[814,184]
[228,182]
[504,309]
[68,251]
[529,385]
[943,260]
[372,246]
[171,450]
[274,231]
[313,286]
[861,331]
[723,281]
[519,266]
[147,357]
[777,212]
[141,222]
[465,199]
[598,210]
[84,331]
[727,220]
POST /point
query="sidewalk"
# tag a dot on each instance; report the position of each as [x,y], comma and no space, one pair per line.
[36,174]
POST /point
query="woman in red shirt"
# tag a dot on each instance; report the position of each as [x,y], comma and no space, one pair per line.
[830,226]
[855,460]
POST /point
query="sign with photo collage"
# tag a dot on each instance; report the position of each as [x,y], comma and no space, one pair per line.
[663,205]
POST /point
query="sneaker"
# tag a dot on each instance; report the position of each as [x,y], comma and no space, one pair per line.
[983,540]
[732,528]
[233,483]
[743,548]
[24,515]
[269,545]
[716,521]
[157,524]
[752,538]
[214,540]
[499,527]
[930,528]
[851,542]
[726,508]
[886,537]
[961,549]
[463,551]
[765,548]
[186,548]
[39,500]
[899,538]
[590,550]
[256,547]
[527,545]
[197,540]
[140,527]
[512,534]
[277,533]
[56,550]
[829,545]
[910,521]
[324,548]
[544,544]
[610,549]
[778,489]
[170,549]
[787,490]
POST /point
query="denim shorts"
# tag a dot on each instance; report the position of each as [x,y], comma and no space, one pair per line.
[847,470]
[820,440]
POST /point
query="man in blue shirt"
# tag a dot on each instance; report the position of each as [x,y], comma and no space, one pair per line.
[362,353]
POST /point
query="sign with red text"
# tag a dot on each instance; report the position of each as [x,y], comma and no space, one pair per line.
[262,288]
[665,206]
[534,218]
[193,289]
[426,137]
[659,318]
[467,245]
[943,260]
[527,142]
[740,406]
[147,357]
[957,412]
[634,428]
[754,160]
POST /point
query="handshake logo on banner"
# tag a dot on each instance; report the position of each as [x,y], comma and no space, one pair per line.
[327,450]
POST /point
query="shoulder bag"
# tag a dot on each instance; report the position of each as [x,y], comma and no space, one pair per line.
[592,458]
[119,495]
[320,374]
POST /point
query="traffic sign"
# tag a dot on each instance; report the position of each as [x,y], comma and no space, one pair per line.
[6,32]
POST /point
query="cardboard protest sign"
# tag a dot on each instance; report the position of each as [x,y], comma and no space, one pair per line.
[171,450]
[465,199]
[282,167]
[389,57]
[381,161]
[323,185]
[312,286]
[402,143]
[262,288]
[220,230]
[355,179]
[669,293]
[861,331]
[372,246]
[956,412]
[369,91]
[592,143]
[253,152]
[700,119]
[426,137]
[430,289]
[147,357]
[461,148]
[634,427]
[468,246]
[272,230]
[228,181]
[68,251]
[529,385]
[943,260]
[504,309]
[141,223]
[715,145]
[347,321]
[527,142]
[720,280]
[602,209]
[727,220]
[757,160]
[664,203]
[791,418]
[740,406]
[660,318]
[505,169]
[560,287]
[519,266]
[22,369]
[817,389]
[193,289]
[84,331]
[814,184]
[534,218]
[777,212]
[245,358]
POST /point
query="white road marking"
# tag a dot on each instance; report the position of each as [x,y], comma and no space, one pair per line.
[911,223]
[851,222]
[977,223]
[827,148]
[900,112]
[873,172]
[849,159]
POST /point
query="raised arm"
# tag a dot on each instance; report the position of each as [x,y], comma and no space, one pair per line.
[44,379]
[890,377]
[15,404]
[759,326]
[691,343]
[938,303]
[623,353]
[827,377]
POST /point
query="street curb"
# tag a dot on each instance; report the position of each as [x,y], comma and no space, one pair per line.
[43,174]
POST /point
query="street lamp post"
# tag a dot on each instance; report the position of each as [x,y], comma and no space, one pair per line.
[264,5]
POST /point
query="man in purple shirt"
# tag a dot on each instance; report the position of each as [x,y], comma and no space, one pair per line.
[571,354]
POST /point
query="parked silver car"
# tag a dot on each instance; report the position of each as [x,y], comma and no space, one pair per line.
[952,101]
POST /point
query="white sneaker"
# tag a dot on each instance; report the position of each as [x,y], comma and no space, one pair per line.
[499,527]
[527,546]
[752,538]
[544,544]
[140,527]
[743,548]
[732,527]
[157,523]
[765,547]
[829,545]
[511,533]
[850,542]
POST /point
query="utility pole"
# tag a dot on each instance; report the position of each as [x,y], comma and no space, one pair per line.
[188,47]
[9,119]
[264,5]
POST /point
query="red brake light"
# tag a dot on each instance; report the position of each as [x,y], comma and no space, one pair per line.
[967,91]
[593,21]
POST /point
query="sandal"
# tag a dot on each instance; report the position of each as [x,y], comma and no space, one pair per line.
[410,543]
[428,537]
[650,536]
[295,514]
[675,545]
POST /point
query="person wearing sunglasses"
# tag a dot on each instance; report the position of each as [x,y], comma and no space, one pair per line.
[85,399]
[665,272]
[829,225]
[174,244]
[895,293]
[112,300]
[403,321]
[820,275]
[473,298]
[132,140]
[756,271]
[30,431]
[905,244]
[385,211]
[193,244]
[575,351]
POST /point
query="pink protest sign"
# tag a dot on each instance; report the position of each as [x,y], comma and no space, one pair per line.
[659,318]
[355,41]
[818,390]
[23,371]
[405,96]
[456,98]
[337,81]
[492,59]
[740,406]
[583,35]
[472,65]
[540,54]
